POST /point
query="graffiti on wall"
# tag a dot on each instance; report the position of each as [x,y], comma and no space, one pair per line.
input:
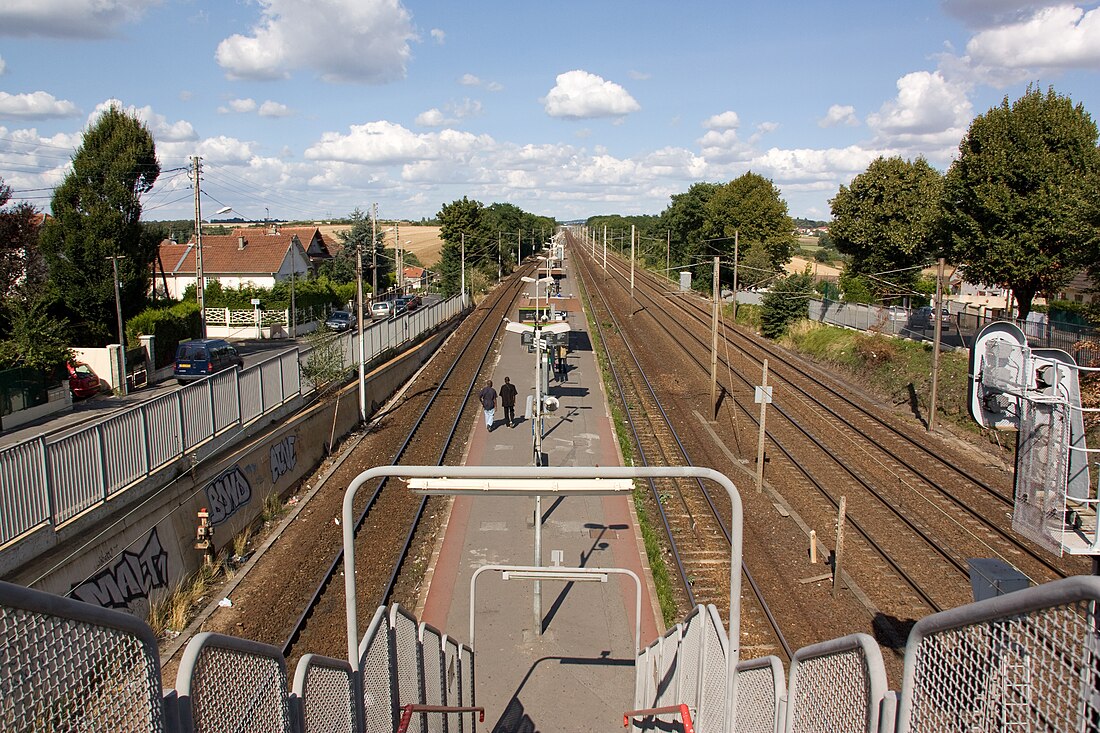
[227,493]
[132,576]
[283,458]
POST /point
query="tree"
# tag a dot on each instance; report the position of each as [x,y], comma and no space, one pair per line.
[752,207]
[685,219]
[456,219]
[341,268]
[785,303]
[886,221]
[1021,203]
[96,214]
[34,339]
[20,260]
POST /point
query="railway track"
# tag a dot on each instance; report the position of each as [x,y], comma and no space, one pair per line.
[430,440]
[697,532]
[890,476]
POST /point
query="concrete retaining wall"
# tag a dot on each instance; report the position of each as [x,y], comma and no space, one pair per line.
[118,556]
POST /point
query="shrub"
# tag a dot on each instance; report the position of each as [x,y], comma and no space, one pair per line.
[169,326]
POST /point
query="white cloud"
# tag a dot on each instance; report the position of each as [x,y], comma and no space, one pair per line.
[927,110]
[372,45]
[838,115]
[727,120]
[69,18]
[439,36]
[723,146]
[3,66]
[35,106]
[161,129]
[581,95]
[494,86]
[275,109]
[1056,37]
[433,117]
[388,143]
[239,106]
[639,75]
[469,80]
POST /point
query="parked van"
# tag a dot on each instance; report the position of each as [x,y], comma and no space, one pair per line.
[200,358]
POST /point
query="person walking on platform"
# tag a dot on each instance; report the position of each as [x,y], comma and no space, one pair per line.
[488,398]
[508,402]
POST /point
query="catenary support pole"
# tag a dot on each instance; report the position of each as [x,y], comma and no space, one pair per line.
[714,345]
[937,319]
[840,515]
[763,433]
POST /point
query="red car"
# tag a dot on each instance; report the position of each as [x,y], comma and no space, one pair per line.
[83,382]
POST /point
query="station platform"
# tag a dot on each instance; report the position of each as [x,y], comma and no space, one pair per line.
[578,674]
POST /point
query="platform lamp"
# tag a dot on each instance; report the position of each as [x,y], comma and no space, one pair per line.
[200,278]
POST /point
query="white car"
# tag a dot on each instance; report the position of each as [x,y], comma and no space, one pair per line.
[382,309]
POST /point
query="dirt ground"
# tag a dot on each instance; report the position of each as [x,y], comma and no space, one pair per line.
[423,241]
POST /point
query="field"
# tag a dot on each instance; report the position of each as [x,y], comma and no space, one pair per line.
[423,241]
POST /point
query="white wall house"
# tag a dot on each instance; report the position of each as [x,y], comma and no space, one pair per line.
[247,256]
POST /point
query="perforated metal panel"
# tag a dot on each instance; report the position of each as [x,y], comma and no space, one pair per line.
[376,665]
[467,687]
[327,691]
[691,648]
[76,482]
[836,685]
[433,673]
[1042,464]
[406,654]
[124,441]
[198,422]
[760,685]
[1025,661]
[69,666]
[668,682]
[162,424]
[230,684]
[712,684]
[452,694]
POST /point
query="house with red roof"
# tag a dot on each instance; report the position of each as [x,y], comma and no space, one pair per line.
[246,256]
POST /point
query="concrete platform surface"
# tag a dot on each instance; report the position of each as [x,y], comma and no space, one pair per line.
[578,674]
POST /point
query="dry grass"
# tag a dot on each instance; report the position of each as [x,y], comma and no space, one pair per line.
[424,241]
[171,611]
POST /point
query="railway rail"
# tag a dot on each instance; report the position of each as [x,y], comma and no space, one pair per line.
[921,510]
[696,529]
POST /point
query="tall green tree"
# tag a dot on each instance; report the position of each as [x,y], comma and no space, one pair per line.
[785,302]
[1021,203]
[20,261]
[458,218]
[685,218]
[886,221]
[96,214]
[751,207]
[341,268]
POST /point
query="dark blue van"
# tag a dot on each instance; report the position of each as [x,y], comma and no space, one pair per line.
[200,358]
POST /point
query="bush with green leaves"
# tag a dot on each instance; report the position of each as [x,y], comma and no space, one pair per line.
[785,303]
[168,326]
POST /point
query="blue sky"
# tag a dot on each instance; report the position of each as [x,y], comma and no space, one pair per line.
[307,110]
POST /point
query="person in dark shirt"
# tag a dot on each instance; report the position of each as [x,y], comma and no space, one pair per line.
[488,398]
[508,402]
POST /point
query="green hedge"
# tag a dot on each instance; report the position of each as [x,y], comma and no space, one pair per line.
[169,326]
[311,291]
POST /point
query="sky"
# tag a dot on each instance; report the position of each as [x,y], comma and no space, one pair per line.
[568,109]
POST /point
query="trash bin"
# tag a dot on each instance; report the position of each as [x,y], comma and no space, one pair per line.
[991,577]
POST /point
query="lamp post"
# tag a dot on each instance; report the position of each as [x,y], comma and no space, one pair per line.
[200,277]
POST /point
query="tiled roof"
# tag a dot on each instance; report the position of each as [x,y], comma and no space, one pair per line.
[222,255]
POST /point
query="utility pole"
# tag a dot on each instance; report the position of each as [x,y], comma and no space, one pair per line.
[200,279]
[519,248]
[359,316]
[764,397]
[668,253]
[373,252]
[938,319]
[462,257]
[714,345]
[400,279]
[123,387]
[605,247]
[736,236]
[500,269]
[631,269]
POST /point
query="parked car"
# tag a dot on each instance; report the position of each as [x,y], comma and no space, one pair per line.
[921,318]
[382,309]
[83,382]
[340,321]
[412,302]
[200,358]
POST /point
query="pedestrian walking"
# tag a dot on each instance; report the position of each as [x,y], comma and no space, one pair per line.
[508,402]
[488,398]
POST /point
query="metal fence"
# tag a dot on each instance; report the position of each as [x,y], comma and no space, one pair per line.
[326,689]
[52,479]
[836,685]
[957,331]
